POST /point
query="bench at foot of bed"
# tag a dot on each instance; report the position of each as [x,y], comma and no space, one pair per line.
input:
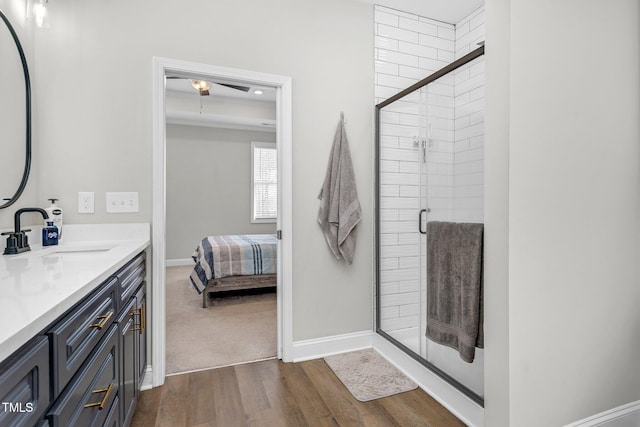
[234,283]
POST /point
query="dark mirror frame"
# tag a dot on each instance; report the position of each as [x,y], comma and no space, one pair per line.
[27,84]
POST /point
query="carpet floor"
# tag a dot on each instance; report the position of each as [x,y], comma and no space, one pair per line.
[235,329]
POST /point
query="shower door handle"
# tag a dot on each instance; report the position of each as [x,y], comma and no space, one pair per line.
[422,211]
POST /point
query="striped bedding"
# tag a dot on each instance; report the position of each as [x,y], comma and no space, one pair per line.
[233,255]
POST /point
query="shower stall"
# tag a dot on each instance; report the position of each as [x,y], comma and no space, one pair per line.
[429,167]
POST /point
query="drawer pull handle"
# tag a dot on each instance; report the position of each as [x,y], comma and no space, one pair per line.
[142,312]
[103,321]
[103,402]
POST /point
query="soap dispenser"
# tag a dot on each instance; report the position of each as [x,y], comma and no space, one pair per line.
[50,234]
[55,214]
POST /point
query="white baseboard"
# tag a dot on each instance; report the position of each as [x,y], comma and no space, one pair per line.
[178,262]
[321,347]
[457,403]
[147,380]
[625,415]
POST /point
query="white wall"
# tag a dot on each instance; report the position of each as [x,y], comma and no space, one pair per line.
[571,347]
[95,66]
[209,185]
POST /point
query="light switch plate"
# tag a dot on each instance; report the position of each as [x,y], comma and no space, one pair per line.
[122,202]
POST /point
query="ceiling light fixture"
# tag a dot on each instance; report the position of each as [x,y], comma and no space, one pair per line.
[258,92]
[202,86]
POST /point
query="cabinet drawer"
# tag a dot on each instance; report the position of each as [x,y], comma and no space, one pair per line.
[129,278]
[24,384]
[76,334]
[89,398]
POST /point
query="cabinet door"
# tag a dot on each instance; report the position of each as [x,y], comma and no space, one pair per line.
[87,400]
[129,279]
[24,384]
[75,336]
[141,306]
[127,326]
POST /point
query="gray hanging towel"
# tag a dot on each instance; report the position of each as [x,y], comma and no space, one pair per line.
[454,286]
[339,206]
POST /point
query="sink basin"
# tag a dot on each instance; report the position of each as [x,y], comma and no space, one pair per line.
[70,251]
[83,247]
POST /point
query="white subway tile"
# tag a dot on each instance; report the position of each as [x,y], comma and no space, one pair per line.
[408,275]
[445,56]
[398,33]
[389,166]
[412,238]
[392,312]
[399,203]
[447,33]
[382,92]
[410,309]
[395,227]
[418,50]
[410,170]
[389,263]
[389,190]
[386,43]
[400,178]
[389,215]
[477,20]
[397,58]
[383,17]
[386,68]
[462,28]
[409,262]
[400,323]
[418,26]
[427,40]
[389,117]
[409,191]
[394,81]
[431,65]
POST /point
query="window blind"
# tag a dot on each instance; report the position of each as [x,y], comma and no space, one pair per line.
[265,181]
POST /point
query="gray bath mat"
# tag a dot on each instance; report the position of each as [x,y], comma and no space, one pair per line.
[368,375]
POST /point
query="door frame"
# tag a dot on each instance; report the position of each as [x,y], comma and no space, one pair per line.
[162,66]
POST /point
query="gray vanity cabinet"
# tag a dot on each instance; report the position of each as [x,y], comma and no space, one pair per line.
[86,368]
[24,384]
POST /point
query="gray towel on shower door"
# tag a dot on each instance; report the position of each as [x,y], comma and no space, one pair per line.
[340,210]
[454,286]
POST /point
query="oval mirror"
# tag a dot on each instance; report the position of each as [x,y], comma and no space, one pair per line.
[15,116]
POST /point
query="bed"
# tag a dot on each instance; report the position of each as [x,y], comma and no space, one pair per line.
[234,262]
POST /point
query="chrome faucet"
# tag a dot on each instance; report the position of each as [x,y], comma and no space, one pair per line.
[17,242]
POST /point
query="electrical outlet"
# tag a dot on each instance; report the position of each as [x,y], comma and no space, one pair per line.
[122,202]
[86,202]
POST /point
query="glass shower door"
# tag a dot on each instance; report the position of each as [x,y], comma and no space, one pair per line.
[430,168]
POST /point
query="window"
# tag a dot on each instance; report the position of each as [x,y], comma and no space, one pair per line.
[264,179]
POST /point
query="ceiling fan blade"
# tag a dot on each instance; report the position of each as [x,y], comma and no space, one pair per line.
[236,87]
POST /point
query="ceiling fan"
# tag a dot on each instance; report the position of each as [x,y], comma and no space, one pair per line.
[203,86]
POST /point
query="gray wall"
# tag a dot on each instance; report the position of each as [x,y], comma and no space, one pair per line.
[209,185]
[95,101]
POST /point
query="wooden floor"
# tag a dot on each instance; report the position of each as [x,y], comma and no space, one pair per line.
[273,394]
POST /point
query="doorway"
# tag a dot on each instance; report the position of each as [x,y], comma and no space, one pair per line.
[167,67]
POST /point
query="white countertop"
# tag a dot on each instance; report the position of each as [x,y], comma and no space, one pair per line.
[40,285]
